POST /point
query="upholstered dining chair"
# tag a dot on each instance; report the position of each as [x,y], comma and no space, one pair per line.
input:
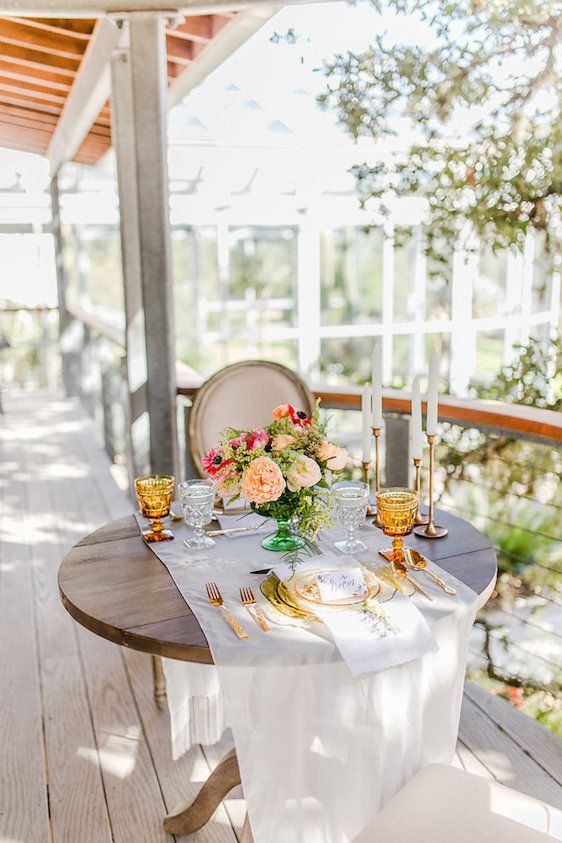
[242,396]
[443,804]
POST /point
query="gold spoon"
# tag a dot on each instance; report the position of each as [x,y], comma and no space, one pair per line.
[400,569]
[419,563]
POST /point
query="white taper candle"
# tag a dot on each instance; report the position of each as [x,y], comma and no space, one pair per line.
[366,423]
[432,394]
[416,442]
[377,386]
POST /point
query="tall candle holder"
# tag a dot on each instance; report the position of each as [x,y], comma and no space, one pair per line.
[376,433]
[431,530]
[366,470]
[419,518]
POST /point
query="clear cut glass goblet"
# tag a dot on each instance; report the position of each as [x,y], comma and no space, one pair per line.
[197,498]
[350,501]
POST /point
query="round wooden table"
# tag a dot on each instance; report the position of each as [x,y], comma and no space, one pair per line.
[115,586]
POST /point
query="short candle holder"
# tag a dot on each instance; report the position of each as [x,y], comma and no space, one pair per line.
[376,433]
[366,470]
[431,530]
[419,518]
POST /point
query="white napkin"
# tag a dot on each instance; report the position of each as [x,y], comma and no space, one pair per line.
[249,519]
[366,641]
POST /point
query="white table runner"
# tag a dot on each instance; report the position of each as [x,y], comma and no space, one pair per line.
[320,751]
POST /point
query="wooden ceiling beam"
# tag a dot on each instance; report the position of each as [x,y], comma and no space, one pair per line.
[23,73]
[36,58]
[26,89]
[198,29]
[21,144]
[180,52]
[55,27]
[8,129]
[31,102]
[28,114]
[82,27]
[13,32]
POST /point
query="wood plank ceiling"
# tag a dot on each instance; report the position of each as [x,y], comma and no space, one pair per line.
[39,60]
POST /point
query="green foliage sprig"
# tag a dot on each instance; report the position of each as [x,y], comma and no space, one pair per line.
[496,64]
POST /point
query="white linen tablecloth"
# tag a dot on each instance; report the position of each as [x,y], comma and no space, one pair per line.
[320,751]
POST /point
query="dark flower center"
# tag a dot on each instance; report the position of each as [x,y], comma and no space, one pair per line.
[301,414]
[217,459]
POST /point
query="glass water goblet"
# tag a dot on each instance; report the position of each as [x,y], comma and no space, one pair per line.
[197,498]
[397,509]
[154,493]
[350,499]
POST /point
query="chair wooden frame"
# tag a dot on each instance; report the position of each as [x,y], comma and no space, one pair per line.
[204,391]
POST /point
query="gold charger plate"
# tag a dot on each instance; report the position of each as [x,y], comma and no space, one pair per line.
[272,589]
[284,601]
[305,588]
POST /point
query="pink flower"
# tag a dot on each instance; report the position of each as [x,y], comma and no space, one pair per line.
[214,462]
[281,411]
[238,441]
[305,472]
[298,417]
[339,460]
[262,481]
[281,441]
[257,439]
[326,451]
[228,481]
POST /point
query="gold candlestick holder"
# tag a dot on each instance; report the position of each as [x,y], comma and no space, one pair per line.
[376,433]
[431,530]
[366,470]
[419,518]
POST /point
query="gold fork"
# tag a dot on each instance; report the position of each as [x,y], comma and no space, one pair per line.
[215,599]
[248,599]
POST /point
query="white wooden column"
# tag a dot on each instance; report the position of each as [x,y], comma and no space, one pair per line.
[139,114]
[70,333]
[387,303]
[463,340]
[308,297]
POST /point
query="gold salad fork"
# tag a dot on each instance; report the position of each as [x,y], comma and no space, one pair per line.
[248,599]
[215,599]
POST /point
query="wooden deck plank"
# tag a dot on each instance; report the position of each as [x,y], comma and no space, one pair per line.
[504,759]
[69,737]
[24,811]
[544,747]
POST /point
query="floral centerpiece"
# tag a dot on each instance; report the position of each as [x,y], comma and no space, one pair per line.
[282,470]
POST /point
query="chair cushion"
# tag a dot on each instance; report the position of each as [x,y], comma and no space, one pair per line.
[442,804]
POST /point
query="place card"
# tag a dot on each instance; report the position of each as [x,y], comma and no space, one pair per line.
[339,585]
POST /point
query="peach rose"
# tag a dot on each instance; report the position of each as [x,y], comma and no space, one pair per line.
[281,441]
[281,411]
[262,481]
[326,451]
[305,472]
[339,460]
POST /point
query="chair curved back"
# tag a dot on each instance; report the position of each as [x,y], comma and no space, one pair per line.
[242,396]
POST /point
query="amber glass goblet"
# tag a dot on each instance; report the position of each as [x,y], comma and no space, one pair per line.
[154,492]
[397,509]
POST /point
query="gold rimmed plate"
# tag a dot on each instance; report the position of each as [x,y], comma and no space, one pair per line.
[305,587]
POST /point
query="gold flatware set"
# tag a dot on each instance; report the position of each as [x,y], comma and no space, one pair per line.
[247,599]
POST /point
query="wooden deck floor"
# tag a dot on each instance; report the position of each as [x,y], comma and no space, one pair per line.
[84,754]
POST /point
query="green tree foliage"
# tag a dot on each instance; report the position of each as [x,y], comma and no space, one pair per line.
[492,68]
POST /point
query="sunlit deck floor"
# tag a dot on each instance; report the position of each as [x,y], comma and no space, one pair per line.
[84,754]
